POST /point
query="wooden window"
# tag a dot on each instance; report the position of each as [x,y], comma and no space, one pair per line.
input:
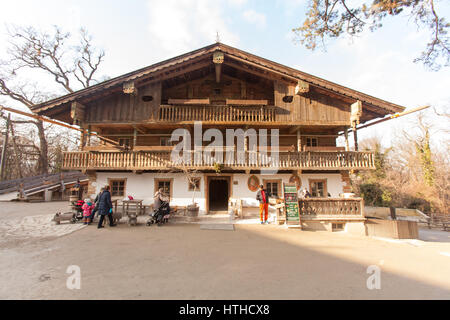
[125,142]
[194,184]
[312,142]
[338,226]
[273,187]
[165,184]
[117,187]
[165,141]
[318,188]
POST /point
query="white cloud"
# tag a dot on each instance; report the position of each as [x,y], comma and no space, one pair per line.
[237,3]
[178,26]
[259,19]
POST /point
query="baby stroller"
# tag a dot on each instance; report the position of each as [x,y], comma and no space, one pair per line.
[76,206]
[160,216]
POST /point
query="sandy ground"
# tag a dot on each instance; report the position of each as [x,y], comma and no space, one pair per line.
[180,261]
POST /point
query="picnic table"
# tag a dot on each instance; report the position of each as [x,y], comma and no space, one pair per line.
[439,220]
[132,209]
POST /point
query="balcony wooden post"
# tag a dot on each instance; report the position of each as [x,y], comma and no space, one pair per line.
[355,137]
[134,138]
[347,146]
[89,136]
[82,139]
[299,141]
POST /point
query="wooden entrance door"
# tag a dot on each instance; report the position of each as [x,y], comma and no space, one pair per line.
[218,193]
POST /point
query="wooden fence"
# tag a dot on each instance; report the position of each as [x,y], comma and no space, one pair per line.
[157,160]
[331,207]
[174,113]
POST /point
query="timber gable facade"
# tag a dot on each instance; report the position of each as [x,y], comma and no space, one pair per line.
[223,88]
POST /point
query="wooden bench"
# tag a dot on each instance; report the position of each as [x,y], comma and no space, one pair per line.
[439,220]
[174,210]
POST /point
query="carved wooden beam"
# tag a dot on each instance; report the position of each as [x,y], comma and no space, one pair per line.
[243,90]
[77,112]
[139,129]
[218,58]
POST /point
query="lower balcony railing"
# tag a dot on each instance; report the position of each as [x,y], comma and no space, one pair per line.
[315,207]
[162,160]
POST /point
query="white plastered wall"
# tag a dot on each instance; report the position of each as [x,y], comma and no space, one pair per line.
[141,186]
[334,185]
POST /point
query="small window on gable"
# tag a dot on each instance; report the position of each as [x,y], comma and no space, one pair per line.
[312,142]
[147,98]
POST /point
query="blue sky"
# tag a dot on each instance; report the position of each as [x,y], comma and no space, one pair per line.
[137,33]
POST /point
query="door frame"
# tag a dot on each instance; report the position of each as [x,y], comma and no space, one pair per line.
[209,177]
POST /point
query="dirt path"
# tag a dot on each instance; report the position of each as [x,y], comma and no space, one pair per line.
[180,261]
[253,262]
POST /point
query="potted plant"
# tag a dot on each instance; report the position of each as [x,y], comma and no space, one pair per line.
[193,180]
[192,209]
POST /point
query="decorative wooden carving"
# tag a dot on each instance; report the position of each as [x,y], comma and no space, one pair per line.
[356,113]
[218,60]
[218,57]
[296,179]
[253,183]
[129,88]
[302,87]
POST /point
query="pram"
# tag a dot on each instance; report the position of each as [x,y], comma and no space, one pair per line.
[76,206]
[160,215]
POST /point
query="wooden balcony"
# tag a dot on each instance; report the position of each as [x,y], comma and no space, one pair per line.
[331,208]
[161,160]
[216,113]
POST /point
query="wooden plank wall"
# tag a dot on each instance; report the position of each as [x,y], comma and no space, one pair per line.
[309,107]
[314,107]
[120,107]
[231,88]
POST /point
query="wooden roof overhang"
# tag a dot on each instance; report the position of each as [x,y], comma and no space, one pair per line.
[185,64]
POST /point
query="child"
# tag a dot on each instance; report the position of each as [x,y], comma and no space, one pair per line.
[87,207]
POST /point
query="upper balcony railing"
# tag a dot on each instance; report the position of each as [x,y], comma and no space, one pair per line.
[216,113]
[162,160]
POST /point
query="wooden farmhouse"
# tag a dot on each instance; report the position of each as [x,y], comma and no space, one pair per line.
[222,88]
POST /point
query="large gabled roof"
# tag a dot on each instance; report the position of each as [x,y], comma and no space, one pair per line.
[383,106]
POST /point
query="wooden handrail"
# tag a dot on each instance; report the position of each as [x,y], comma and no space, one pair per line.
[311,207]
[151,160]
[216,113]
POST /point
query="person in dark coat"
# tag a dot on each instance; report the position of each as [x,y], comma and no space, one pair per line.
[105,208]
[96,205]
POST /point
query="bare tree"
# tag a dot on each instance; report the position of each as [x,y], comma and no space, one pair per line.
[53,58]
[334,18]
[414,173]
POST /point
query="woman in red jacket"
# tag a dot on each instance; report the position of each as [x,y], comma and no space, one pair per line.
[263,197]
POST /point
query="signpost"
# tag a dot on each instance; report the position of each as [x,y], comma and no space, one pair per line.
[291,206]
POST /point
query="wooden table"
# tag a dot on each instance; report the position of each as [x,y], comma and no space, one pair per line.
[132,206]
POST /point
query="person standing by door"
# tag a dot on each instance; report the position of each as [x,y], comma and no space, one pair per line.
[263,197]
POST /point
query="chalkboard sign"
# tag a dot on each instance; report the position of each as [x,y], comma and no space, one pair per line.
[291,205]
